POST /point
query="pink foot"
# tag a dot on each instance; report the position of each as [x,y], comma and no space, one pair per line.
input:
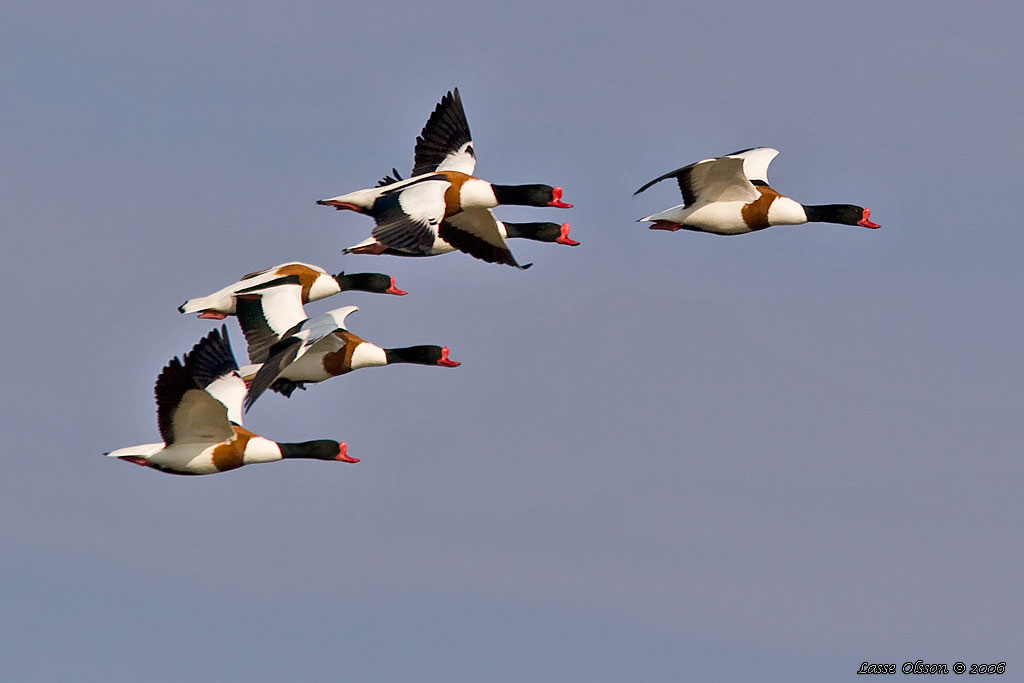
[666,225]
[339,205]
[376,249]
[212,315]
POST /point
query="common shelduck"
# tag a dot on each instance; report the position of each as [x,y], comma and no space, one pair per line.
[494,252]
[538,232]
[316,283]
[199,413]
[315,349]
[730,195]
[442,205]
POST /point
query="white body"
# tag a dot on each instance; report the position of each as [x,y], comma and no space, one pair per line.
[722,188]
[197,458]
[422,198]
[223,300]
[309,367]
[726,218]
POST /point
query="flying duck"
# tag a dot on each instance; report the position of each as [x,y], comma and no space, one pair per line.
[314,349]
[443,206]
[538,232]
[316,283]
[496,251]
[199,413]
[730,195]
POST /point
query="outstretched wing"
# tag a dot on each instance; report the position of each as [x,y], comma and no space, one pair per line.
[445,143]
[293,346]
[281,356]
[408,218]
[213,366]
[282,301]
[476,232]
[711,180]
[185,412]
[265,314]
[755,163]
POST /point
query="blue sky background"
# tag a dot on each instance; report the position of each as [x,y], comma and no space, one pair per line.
[666,456]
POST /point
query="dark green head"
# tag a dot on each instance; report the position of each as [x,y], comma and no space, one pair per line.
[321,449]
[378,283]
[530,195]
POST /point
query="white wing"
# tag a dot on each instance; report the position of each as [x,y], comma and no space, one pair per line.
[445,144]
[462,160]
[339,315]
[755,162]
[282,307]
[230,391]
[720,180]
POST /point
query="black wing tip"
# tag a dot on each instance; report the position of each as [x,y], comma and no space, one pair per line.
[273,365]
[682,177]
[453,95]
[649,184]
[263,380]
[211,357]
[446,130]
[254,391]
[452,98]
[173,382]
[391,179]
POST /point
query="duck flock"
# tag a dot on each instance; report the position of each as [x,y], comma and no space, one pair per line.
[441,207]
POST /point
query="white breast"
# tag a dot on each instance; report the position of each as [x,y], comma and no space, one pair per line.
[258,449]
[477,194]
[785,211]
[368,355]
[323,287]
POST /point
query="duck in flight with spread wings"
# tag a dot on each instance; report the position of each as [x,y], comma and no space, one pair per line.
[442,206]
[316,283]
[291,350]
[199,413]
[730,195]
[538,232]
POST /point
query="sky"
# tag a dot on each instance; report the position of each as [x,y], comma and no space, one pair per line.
[665,457]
